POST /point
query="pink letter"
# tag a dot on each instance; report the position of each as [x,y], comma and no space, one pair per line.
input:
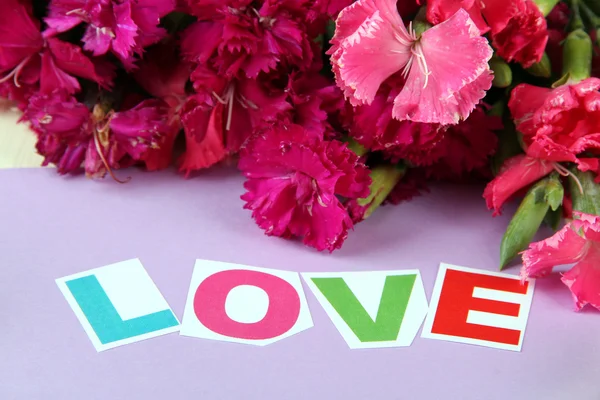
[282,312]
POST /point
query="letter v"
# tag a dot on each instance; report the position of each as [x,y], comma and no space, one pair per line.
[401,305]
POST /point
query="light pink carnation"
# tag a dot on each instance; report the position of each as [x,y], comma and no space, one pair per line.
[579,243]
[445,70]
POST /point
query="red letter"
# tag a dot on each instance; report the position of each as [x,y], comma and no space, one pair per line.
[457,299]
[282,314]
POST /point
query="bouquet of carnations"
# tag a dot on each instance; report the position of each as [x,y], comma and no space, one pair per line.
[330,108]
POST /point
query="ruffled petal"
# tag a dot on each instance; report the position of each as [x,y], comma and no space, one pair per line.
[524,100]
[378,48]
[583,280]
[517,172]
[564,247]
[72,60]
[327,227]
[63,15]
[126,32]
[20,36]
[53,78]
[204,137]
[200,40]
[449,73]
[440,10]
[578,243]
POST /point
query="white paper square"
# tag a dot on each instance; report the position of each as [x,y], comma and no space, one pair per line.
[367,286]
[483,318]
[254,303]
[132,292]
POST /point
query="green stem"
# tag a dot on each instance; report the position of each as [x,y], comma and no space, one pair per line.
[593,5]
[576,20]
[593,19]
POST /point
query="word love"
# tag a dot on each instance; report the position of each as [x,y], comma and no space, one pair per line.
[120,304]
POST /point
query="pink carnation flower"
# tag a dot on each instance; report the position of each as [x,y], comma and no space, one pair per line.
[517,27]
[164,75]
[374,128]
[316,103]
[447,150]
[466,147]
[70,135]
[294,180]
[222,114]
[578,242]
[28,59]
[445,70]
[124,27]
[248,36]
[558,125]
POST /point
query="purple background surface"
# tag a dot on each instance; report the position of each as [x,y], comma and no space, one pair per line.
[52,226]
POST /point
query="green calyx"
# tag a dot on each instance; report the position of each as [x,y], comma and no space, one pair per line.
[383,179]
[546,6]
[577,58]
[356,147]
[585,192]
[542,69]
[502,72]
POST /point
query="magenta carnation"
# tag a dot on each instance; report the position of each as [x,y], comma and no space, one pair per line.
[248,36]
[70,135]
[29,59]
[294,180]
[124,27]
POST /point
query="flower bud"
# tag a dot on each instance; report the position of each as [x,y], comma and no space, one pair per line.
[383,179]
[502,72]
[543,69]
[546,6]
[544,195]
[577,57]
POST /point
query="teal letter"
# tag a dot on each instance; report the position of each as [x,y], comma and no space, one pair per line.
[104,318]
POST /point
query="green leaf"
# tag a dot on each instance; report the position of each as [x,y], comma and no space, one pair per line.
[545,195]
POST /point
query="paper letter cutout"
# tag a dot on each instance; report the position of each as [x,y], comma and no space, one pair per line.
[372,309]
[281,315]
[214,311]
[479,307]
[118,304]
